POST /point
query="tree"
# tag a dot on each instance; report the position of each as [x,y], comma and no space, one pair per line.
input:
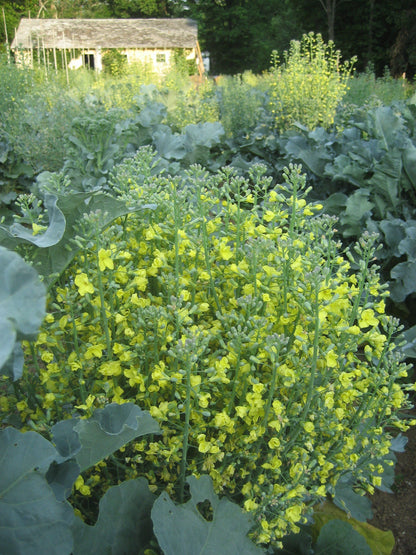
[241,34]
[139,8]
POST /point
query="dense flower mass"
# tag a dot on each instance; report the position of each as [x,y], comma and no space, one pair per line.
[309,85]
[230,315]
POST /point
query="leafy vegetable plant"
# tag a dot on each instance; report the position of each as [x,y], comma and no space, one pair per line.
[230,316]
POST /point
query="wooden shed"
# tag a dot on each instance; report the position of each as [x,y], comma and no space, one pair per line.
[151,41]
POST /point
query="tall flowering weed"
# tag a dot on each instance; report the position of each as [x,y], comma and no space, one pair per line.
[309,85]
[229,314]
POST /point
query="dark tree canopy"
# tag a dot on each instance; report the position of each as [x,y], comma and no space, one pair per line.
[241,34]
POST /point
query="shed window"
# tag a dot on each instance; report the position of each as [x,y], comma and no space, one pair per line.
[161,58]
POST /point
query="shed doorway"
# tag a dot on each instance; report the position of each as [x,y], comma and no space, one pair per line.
[89,61]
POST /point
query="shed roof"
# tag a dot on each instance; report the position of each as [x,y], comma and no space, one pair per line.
[106,33]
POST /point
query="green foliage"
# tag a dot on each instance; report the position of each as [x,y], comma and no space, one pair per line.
[183,529]
[22,309]
[365,89]
[124,525]
[217,302]
[182,64]
[228,313]
[309,85]
[327,513]
[114,62]
[31,516]
[187,104]
[367,172]
[37,476]
[240,105]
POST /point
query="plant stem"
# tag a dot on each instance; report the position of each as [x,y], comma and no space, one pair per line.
[81,379]
[185,431]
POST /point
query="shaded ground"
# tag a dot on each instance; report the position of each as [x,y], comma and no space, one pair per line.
[397,511]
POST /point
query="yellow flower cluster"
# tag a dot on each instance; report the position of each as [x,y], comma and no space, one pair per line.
[238,325]
[308,87]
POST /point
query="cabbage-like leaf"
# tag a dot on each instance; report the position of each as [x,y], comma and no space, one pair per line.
[123,525]
[327,514]
[53,233]
[404,276]
[358,506]
[105,432]
[22,307]
[339,538]
[182,528]
[32,520]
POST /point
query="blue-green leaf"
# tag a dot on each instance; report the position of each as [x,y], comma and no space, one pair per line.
[109,429]
[183,530]
[32,520]
[358,506]
[339,538]
[123,526]
[53,233]
[404,276]
[22,307]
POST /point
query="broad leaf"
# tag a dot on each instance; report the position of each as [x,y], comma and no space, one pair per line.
[407,245]
[54,232]
[32,520]
[358,506]
[409,162]
[205,134]
[66,439]
[13,367]
[123,526]
[358,208]
[404,276]
[109,429]
[182,529]
[380,542]
[340,538]
[314,157]
[22,307]
[61,477]
[169,145]
[394,231]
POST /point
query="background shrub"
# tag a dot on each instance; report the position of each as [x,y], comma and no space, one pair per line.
[309,85]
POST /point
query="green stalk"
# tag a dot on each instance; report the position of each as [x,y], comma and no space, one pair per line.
[361,285]
[235,380]
[206,255]
[81,379]
[310,392]
[183,465]
[275,359]
[104,318]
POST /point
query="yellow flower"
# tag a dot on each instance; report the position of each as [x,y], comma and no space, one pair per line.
[88,403]
[367,319]
[203,400]
[110,368]
[308,427]
[95,351]
[331,359]
[274,443]
[294,514]
[83,284]
[36,228]
[104,260]
[250,505]
[225,252]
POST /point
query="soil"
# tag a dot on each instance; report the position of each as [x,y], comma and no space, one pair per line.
[397,511]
